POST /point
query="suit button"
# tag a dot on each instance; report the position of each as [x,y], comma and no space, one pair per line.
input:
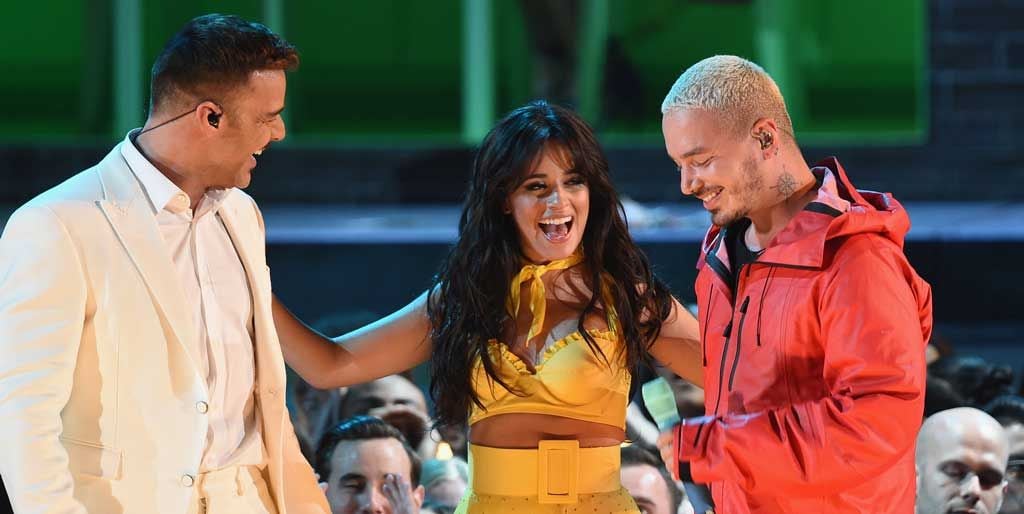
[202,407]
[187,480]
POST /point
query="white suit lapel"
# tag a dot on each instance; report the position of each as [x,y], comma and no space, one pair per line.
[135,225]
[269,369]
[250,251]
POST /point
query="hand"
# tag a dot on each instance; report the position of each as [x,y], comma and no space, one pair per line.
[666,445]
[399,494]
[322,485]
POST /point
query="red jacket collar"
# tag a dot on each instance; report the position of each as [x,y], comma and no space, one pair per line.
[839,210]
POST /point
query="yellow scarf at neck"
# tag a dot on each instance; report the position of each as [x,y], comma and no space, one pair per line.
[537,291]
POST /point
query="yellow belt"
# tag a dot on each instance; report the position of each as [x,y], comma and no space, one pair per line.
[555,472]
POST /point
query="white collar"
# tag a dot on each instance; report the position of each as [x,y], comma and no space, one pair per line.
[161,192]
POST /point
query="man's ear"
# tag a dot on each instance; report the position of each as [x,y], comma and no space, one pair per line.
[209,114]
[766,133]
[417,495]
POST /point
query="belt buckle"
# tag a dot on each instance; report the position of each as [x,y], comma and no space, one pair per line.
[558,469]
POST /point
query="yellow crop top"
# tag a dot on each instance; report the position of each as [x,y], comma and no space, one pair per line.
[571,380]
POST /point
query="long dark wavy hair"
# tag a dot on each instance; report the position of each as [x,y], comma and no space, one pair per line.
[467,304]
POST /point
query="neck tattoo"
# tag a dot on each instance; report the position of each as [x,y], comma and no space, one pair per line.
[786,185]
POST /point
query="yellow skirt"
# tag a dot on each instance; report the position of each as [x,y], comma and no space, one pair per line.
[558,477]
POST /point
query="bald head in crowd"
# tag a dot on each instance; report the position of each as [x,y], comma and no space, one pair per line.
[961,462]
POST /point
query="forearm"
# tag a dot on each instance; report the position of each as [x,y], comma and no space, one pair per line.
[682,356]
[390,345]
[678,346]
[314,356]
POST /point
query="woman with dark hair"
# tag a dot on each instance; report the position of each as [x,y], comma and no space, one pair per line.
[537,320]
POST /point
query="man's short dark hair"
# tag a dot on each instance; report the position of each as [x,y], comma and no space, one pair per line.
[214,54]
[362,428]
[634,455]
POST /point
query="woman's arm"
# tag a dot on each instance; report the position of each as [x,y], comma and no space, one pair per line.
[678,345]
[387,346]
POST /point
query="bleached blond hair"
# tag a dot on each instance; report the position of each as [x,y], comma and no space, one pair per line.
[738,90]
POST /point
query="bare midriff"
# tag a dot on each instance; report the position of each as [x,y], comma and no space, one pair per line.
[527,430]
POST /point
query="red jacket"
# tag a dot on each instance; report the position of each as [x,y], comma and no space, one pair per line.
[814,367]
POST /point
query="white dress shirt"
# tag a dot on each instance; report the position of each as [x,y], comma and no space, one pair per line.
[217,290]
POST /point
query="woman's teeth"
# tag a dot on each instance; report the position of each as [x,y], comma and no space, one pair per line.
[556,230]
[556,221]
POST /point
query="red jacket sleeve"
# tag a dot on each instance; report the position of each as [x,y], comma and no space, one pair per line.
[875,316]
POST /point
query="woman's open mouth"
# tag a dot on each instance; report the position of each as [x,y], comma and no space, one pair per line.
[556,230]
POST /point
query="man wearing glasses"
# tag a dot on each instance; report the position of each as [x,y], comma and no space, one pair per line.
[961,460]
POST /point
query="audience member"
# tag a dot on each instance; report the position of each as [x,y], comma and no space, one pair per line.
[643,474]
[444,482]
[976,380]
[940,395]
[369,467]
[398,401]
[961,458]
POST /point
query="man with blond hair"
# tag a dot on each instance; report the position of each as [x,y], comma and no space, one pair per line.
[813,322]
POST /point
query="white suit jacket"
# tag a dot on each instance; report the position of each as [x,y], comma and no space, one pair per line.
[98,382]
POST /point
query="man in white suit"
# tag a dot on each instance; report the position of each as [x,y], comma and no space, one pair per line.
[140,370]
